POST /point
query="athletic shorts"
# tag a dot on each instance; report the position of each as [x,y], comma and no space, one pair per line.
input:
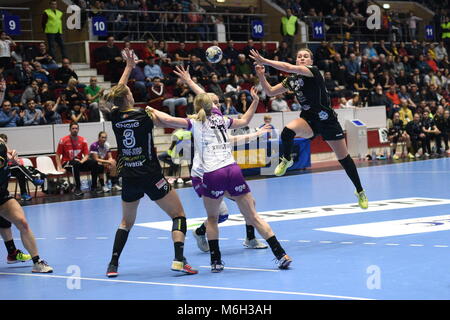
[155,187]
[197,185]
[228,178]
[329,129]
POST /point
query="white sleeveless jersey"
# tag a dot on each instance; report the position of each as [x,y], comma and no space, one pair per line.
[212,148]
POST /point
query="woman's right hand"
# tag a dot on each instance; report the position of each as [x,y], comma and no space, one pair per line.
[182,73]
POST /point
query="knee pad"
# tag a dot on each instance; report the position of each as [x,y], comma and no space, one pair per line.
[223,212]
[287,134]
[179,224]
[4,224]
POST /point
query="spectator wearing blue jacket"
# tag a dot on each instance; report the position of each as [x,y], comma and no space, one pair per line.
[10,117]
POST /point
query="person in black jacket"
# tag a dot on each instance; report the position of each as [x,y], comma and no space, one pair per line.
[417,136]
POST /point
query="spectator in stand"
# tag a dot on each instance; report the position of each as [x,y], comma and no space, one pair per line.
[78,113]
[40,74]
[345,50]
[352,65]
[417,136]
[73,96]
[9,116]
[93,93]
[23,76]
[369,51]
[223,70]
[365,67]
[44,58]
[371,82]
[100,152]
[440,51]
[152,70]
[227,107]
[52,26]
[31,92]
[250,46]
[430,130]
[51,115]
[45,94]
[414,51]
[338,69]
[214,87]
[156,93]
[432,94]
[194,22]
[404,94]
[405,112]
[110,56]
[162,53]
[417,78]
[73,155]
[230,53]
[422,65]
[354,102]
[243,68]
[378,98]
[322,56]
[279,104]
[234,90]
[282,53]
[127,45]
[412,25]
[182,57]
[402,79]
[359,84]
[199,51]
[242,103]
[64,73]
[149,49]
[32,116]
[140,81]
[332,86]
[178,99]
[5,50]
[382,49]
[431,63]
[431,78]
[392,95]
[443,125]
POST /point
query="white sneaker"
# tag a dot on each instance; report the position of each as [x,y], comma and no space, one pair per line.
[417,155]
[180,181]
[202,243]
[106,189]
[116,187]
[254,244]
[426,154]
[41,267]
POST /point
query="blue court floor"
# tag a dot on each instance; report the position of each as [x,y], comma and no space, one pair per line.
[397,249]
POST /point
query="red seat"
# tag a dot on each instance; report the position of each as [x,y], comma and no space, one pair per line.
[261,108]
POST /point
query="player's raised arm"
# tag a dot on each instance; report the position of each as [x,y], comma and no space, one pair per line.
[283,66]
[185,76]
[131,63]
[239,123]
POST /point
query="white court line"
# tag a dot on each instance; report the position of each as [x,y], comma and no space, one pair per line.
[245,269]
[61,238]
[304,241]
[440,246]
[346,242]
[143,238]
[163,238]
[81,238]
[392,244]
[325,241]
[101,238]
[416,245]
[189,286]
[369,243]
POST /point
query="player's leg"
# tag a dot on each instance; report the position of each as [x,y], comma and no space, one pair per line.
[13,212]
[171,204]
[246,206]
[14,255]
[298,127]
[340,149]
[212,206]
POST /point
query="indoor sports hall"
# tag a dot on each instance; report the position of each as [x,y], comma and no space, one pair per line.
[384,67]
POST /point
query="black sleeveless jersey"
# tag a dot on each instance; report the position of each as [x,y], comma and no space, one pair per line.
[312,95]
[397,127]
[136,151]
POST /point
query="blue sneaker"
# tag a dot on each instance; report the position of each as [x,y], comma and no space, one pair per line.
[38,182]
[25,197]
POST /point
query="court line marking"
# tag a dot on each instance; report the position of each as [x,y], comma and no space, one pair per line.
[244,269]
[190,286]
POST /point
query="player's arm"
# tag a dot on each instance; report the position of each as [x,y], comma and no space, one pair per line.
[280,65]
[185,76]
[250,136]
[271,91]
[239,123]
[131,63]
[162,119]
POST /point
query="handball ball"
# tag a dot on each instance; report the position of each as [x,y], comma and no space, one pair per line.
[214,54]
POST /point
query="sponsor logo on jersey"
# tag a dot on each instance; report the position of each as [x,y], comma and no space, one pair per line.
[323,115]
[127,124]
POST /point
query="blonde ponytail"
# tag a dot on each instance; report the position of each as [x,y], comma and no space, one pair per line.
[118,95]
[202,105]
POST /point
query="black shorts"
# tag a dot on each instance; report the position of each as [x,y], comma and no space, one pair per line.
[155,187]
[329,129]
[4,197]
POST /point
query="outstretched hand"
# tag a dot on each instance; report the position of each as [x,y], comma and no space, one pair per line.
[182,73]
[260,69]
[259,59]
[129,58]
[254,93]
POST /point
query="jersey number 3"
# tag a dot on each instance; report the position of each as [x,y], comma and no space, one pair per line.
[129,140]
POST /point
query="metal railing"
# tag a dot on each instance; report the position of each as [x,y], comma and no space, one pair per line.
[176,26]
[337,31]
[26,21]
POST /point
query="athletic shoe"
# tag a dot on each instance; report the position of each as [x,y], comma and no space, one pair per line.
[180,181]
[417,155]
[111,272]
[426,154]
[116,187]
[106,189]
[17,256]
[362,199]
[283,166]
[183,266]
[254,244]
[217,266]
[97,190]
[395,157]
[78,192]
[284,262]
[25,197]
[41,267]
[411,156]
[202,243]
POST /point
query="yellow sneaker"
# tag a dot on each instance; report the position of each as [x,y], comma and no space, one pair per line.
[283,166]
[395,157]
[363,202]
[411,156]
[18,256]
